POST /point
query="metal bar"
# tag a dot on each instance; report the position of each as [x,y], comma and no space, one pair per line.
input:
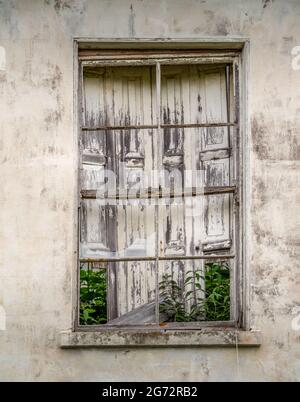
[109,128]
[155,126]
[197,257]
[159,258]
[161,193]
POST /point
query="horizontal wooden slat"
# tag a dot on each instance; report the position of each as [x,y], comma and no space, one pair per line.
[191,325]
[144,314]
[93,159]
[214,154]
[89,54]
[149,61]
[214,246]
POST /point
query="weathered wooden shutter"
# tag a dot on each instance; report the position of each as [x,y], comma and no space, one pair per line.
[195,94]
[126,96]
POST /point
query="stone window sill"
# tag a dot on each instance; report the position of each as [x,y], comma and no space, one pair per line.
[224,337]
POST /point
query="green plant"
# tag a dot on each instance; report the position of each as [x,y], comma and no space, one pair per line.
[172,299]
[217,292]
[93,297]
[213,287]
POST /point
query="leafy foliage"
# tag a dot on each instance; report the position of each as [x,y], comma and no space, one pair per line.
[217,290]
[208,295]
[93,292]
[172,299]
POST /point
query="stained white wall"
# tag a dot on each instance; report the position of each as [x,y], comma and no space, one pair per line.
[37,181]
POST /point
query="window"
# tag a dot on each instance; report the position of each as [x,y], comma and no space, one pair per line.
[159,190]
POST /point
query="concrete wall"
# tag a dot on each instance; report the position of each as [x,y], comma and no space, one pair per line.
[38,153]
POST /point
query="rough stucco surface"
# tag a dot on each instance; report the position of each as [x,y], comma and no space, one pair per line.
[37,181]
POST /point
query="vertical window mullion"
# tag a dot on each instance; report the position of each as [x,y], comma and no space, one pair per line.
[231,179]
[81,121]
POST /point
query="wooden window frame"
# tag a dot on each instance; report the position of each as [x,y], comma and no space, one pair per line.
[237,56]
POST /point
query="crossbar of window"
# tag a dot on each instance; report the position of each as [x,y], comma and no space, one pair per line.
[154,126]
[161,193]
[211,257]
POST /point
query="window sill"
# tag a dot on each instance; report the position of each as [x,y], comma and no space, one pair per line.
[225,337]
